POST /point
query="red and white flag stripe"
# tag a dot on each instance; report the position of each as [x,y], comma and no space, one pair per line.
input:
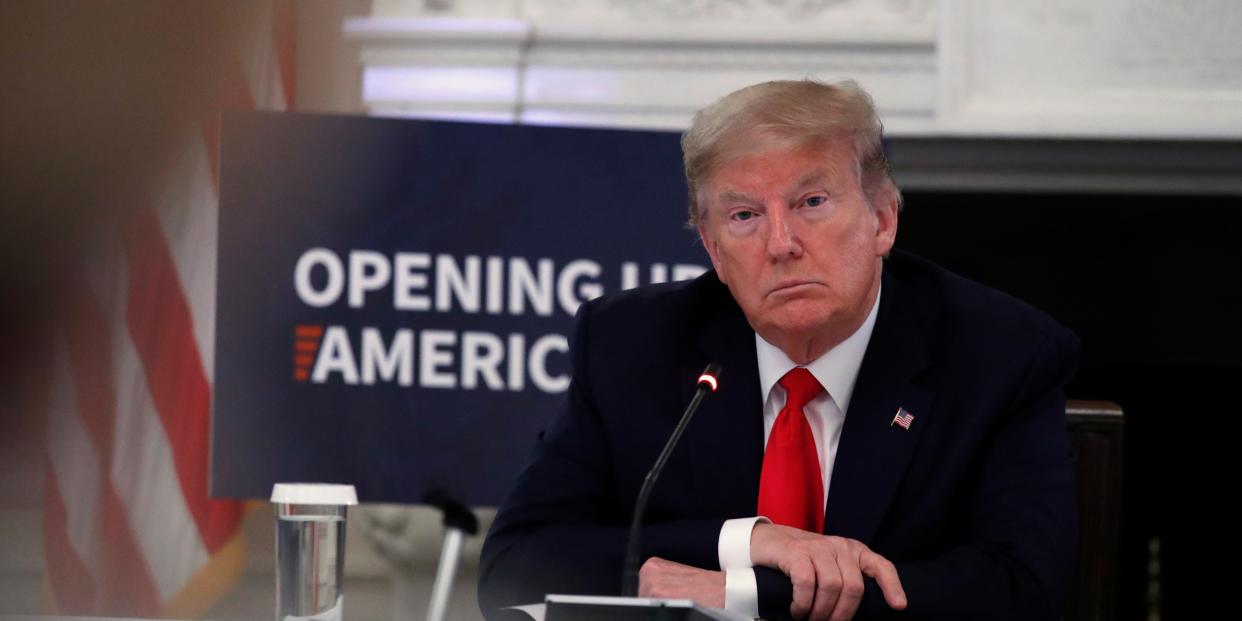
[129,528]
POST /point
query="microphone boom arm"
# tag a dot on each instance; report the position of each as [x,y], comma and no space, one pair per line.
[629,579]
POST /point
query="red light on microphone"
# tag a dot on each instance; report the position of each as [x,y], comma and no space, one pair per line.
[710,380]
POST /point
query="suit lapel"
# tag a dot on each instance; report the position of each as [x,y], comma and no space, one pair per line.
[873,453]
[726,436]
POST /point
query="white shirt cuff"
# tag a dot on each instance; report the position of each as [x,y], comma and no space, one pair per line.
[742,592]
[733,547]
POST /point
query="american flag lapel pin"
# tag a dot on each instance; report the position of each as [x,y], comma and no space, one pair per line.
[902,419]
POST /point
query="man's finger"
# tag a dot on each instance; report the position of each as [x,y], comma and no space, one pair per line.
[851,586]
[802,576]
[828,585]
[885,574]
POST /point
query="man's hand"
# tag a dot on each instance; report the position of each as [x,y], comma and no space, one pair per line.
[671,580]
[826,572]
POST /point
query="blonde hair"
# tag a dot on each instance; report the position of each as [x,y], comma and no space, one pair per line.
[790,113]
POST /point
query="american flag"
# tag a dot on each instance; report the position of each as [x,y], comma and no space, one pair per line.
[902,419]
[129,529]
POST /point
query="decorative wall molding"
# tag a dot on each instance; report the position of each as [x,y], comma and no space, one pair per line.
[657,10]
[1012,71]
[608,62]
[974,164]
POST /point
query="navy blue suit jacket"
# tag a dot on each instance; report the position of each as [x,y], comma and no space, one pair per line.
[974,503]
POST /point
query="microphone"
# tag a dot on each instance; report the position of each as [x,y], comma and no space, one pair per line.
[629,579]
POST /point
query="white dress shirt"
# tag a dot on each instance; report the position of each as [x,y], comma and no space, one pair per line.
[836,371]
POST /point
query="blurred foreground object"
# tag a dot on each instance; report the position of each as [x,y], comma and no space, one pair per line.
[110,137]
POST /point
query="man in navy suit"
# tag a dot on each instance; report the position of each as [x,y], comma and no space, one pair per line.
[887,439]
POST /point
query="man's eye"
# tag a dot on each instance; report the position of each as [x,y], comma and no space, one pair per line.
[742,216]
[816,201]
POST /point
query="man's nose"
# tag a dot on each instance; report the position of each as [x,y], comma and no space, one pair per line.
[783,241]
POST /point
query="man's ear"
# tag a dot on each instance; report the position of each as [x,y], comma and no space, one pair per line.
[885,205]
[713,251]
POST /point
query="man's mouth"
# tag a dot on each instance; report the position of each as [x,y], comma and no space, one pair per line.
[792,286]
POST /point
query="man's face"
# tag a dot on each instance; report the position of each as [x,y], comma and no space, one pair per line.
[795,238]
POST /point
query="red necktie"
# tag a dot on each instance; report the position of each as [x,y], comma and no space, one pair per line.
[791,489]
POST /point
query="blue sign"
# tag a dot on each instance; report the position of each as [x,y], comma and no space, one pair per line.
[395,296]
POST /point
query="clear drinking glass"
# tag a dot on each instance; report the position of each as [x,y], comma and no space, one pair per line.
[310,549]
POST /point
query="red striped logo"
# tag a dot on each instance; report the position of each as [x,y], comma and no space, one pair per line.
[305,345]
